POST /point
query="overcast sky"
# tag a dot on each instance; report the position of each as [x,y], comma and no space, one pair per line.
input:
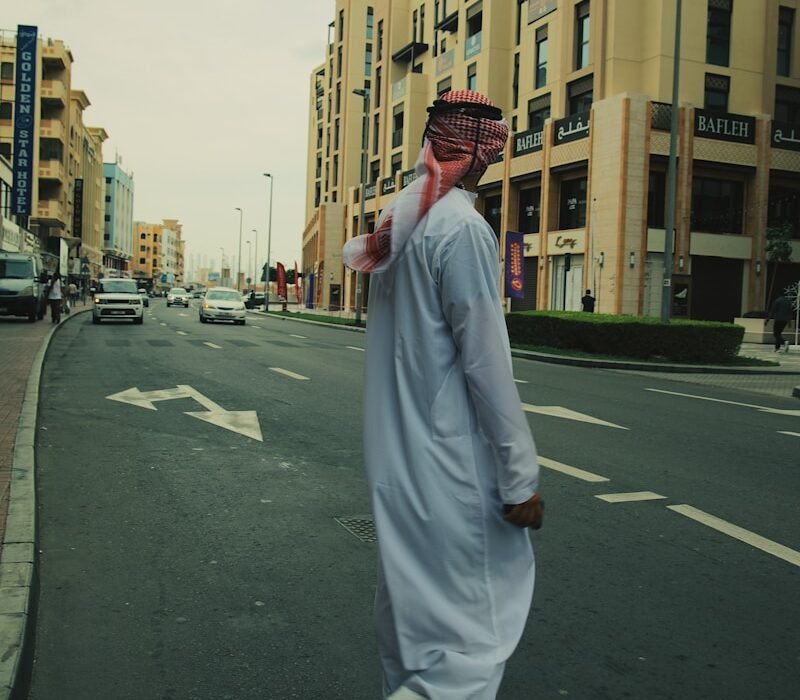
[199,98]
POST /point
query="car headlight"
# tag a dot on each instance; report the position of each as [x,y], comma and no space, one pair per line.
[206,305]
[98,300]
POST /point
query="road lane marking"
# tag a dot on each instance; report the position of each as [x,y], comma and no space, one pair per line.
[520,381]
[181,332]
[629,497]
[212,345]
[353,347]
[571,471]
[764,409]
[162,324]
[280,370]
[561,412]
[739,533]
[182,314]
[789,432]
[293,335]
[254,326]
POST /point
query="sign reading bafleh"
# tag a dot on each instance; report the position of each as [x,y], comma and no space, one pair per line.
[724,127]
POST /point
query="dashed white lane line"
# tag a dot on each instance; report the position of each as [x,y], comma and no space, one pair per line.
[162,324]
[293,375]
[789,432]
[764,409]
[181,332]
[765,545]
[520,381]
[353,347]
[630,497]
[572,471]
[182,314]
[294,335]
[254,326]
[212,345]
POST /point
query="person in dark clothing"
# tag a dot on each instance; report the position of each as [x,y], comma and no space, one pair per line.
[587,301]
[781,312]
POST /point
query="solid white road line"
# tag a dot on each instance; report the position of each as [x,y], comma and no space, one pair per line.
[181,332]
[789,432]
[353,347]
[211,345]
[765,409]
[571,471]
[628,497]
[739,533]
[280,370]
[561,412]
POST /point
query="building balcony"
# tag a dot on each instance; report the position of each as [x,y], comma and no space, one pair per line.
[51,170]
[54,91]
[50,211]
[51,129]
[410,52]
[56,54]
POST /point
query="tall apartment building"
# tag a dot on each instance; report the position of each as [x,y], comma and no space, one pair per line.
[586,87]
[118,219]
[158,258]
[63,153]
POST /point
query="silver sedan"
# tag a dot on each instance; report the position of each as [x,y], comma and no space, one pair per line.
[222,304]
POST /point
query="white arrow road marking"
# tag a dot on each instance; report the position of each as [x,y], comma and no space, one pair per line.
[212,345]
[571,471]
[243,422]
[280,370]
[789,432]
[561,412]
[181,332]
[739,533]
[353,347]
[293,335]
[629,497]
[764,409]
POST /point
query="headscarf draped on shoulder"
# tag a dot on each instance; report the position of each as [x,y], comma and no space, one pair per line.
[464,135]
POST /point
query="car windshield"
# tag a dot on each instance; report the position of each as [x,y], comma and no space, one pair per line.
[224,296]
[117,287]
[15,269]
[178,290]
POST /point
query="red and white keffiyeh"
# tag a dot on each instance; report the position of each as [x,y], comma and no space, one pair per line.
[456,144]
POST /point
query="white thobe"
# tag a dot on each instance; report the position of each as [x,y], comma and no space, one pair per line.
[446,443]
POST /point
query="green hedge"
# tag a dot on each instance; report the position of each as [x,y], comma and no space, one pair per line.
[627,336]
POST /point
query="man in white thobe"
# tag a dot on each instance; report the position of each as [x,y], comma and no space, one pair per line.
[450,461]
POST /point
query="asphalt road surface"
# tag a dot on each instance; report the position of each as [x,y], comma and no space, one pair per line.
[193,549]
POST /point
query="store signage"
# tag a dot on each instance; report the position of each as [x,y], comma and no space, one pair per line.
[24,113]
[445,61]
[539,8]
[369,191]
[388,185]
[408,177]
[528,142]
[571,128]
[786,136]
[724,127]
[77,208]
[514,286]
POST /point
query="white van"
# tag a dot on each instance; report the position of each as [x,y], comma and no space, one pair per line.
[22,286]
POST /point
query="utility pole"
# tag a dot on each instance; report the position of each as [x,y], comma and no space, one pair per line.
[364,93]
[239,260]
[269,242]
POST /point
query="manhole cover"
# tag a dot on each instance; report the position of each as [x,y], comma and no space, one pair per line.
[363,528]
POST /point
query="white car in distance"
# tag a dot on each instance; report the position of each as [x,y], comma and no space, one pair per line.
[117,299]
[223,304]
[178,296]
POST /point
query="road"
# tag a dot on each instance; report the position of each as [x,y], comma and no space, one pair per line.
[183,559]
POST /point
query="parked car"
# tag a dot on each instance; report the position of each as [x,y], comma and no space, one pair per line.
[223,304]
[117,299]
[178,296]
[22,286]
[143,294]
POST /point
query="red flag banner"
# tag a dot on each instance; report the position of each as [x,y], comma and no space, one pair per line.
[281,271]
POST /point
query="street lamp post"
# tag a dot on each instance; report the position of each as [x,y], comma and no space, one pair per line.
[239,260]
[249,261]
[269,242]
[255,258]
[363,93]
[222,267]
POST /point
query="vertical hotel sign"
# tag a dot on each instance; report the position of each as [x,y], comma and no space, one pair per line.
[514,269]
[24,110]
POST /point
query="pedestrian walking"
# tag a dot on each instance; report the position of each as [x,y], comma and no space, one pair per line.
[451,464]
[55,295]
[587,301]
[781,312]
[72,289]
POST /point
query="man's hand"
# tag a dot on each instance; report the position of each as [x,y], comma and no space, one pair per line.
[527,514]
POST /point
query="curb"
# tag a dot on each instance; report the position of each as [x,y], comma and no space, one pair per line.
[18,569]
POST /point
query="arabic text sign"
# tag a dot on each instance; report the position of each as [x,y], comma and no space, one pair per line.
[786,136]
[571,128]
[24,113]
[724,127]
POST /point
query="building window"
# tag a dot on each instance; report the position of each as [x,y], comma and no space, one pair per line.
[784,208]
[339,62]
[717,205]
[6,71]
[338,97]
[335,171]
[443,86]
[378,85]
[579,95]
[108,198]
[5,150]
[368,60]
[5,110]
[656,196]
[787,104]
[397,127]
[718,34]
[143,261]
[529,208]
[374,170]
[370,22]
[472,76]
[380,40]
[142,248]
[541,57]
[397,163]
[582,35]
[107,217]
[785,30]
[515,83]
[376,124]
[572,212]
[538,112]
[518,24]
[422,23]
[143,236]
[716,95]
[341,25]
[108,180]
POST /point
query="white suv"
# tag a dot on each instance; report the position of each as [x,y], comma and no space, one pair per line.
[117,298]
[178,296]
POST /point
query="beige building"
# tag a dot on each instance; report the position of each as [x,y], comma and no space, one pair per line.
[66,193]
[586,86]
[158,257]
